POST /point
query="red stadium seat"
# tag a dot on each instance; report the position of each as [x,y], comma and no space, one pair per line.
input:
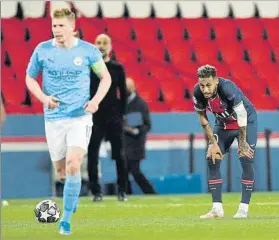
[161,71]
[153,52]
[89,30]
[198,28]
[13,30]
[158,107]
[14,92]
[190,82]
[263,102]
[146,30]
[251,28]
[223,69]
[3,55]
[180,52]
[148,89]
[244,75]
[18,109]
[224,28]
[173,90]
[38,25]
[189,69]
[7,75]
[20,57]
[138,71]
[125,54]
[119,29]
[206,51]
[173,26]
[182,106]
[144,58]
[232,51]
[259,51]
[269,72]
[271,25]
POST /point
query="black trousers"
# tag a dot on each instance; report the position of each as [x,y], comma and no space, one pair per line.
[112,130]
[141,180]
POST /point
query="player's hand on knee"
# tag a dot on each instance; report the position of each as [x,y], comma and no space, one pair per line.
[51,102]
[244,150]
[214,153]
[92,106]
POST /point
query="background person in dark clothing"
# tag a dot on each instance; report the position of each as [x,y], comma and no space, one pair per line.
[137,126]
[108,123]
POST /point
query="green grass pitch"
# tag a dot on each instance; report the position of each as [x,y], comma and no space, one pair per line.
[169,217]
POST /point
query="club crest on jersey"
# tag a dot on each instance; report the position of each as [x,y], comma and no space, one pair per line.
[78,61]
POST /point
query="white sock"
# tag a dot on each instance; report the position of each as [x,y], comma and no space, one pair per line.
[244,206]
[218,205]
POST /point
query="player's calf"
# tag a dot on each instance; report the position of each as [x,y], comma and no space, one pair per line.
[247,183]
[215,185]
[73,182]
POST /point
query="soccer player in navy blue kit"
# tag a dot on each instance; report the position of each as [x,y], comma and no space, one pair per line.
[235,118]
[65,62]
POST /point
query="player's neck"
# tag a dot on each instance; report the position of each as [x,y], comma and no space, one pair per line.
[68,44]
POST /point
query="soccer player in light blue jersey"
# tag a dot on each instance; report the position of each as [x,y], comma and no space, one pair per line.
[65,62]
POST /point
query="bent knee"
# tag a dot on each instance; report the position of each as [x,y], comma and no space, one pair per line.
[72,167]
[73,164]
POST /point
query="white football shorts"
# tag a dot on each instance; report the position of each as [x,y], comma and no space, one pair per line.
[65,133]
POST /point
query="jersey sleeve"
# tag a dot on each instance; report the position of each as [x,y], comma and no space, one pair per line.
[199,103]
[94,56]
[232,94]
[34,66]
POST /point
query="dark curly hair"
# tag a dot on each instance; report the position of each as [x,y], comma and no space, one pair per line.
[206,71]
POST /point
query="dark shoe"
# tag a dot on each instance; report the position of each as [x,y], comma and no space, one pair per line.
[122,197]
[98,197]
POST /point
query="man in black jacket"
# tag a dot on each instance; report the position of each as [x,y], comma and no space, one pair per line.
[137,126]
[108,123]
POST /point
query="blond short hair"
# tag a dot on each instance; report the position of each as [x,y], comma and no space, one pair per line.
[64,12]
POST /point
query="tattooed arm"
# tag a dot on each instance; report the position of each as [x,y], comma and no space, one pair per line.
[242,134]
[244,148]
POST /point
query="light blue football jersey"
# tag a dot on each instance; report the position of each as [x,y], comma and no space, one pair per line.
[66,75]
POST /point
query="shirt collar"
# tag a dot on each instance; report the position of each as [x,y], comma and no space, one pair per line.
[75,42]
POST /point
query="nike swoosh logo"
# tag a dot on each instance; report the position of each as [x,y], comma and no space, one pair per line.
[252,145]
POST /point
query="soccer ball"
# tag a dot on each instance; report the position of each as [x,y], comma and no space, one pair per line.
[47,211]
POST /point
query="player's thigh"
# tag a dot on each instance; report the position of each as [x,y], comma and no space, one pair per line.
[78,135]
[224,138]
[56,133]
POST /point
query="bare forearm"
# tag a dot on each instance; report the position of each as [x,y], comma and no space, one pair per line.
[206,126]
[35,88]
[209,133]
[242,134]
[103,87]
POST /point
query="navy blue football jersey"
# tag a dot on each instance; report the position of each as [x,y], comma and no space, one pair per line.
[221,105]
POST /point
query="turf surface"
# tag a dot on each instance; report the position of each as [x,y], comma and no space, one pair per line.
[171,217]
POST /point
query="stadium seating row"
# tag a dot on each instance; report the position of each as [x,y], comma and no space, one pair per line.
[142,9]
[163,52]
